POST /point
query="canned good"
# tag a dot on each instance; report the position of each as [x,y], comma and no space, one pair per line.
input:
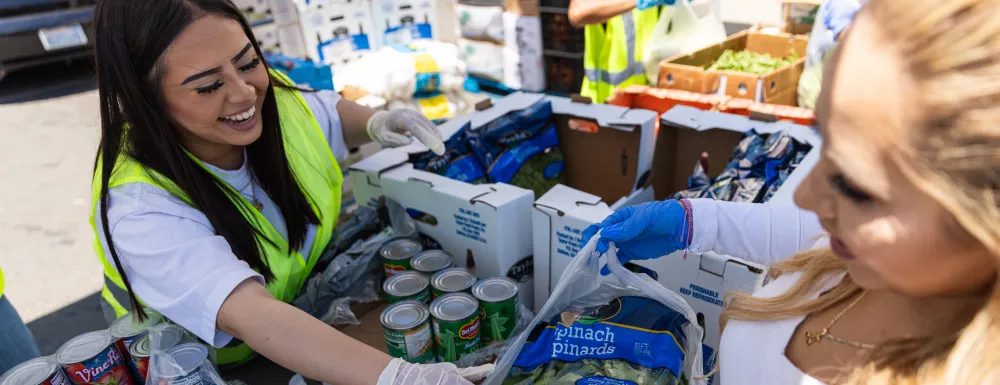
[93,358]
[407,330]
[500,307]
[127,329]
[189,358]
[139,365]
[39,371]
[432,261]
[396,255]
[455,318]
[453,280]
[408,285]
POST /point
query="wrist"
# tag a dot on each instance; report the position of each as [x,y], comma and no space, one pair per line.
[374,122]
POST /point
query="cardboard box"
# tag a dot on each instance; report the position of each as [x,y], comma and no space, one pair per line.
[267,37]
[289,11]
[521,7]
[523,72]
[482,58]
[490,225]
[257,12]
[402,21]
[798,16]
[335,34]
[661,100]
[688,71]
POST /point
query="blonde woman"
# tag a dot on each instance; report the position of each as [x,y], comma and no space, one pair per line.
[907,190]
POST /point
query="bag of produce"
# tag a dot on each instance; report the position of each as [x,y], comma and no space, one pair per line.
[458,161]
[521,148]
[621,329]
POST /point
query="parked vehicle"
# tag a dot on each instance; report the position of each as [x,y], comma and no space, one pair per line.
[36,32]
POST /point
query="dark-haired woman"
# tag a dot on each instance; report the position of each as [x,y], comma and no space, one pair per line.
[216,187]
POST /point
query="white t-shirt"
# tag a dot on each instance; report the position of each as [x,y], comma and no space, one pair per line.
[754,352]
[174,260]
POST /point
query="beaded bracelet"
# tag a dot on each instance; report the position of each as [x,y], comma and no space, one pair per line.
[687,234]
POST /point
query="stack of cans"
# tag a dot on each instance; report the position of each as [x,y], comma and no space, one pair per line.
[436,311]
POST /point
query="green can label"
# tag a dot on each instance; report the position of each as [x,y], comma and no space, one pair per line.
[414,346]
[393,267]
[499,318]
[458,338]
[423,296]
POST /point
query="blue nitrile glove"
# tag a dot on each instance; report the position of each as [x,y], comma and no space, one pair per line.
[839,15]
[646,231]
[647,4]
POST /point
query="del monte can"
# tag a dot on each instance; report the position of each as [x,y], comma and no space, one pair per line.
[408,285]
[500,306]
[432,261]
[396,255]
[452,280]
[456,323]
[407,330]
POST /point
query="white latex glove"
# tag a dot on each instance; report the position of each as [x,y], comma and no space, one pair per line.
[400,372]
[390,128]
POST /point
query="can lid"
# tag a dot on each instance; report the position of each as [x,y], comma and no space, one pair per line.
[189,356]
[454,307]
[83,347]
[404,315]
[495,289]
[170,336]
[31,372]
[432,260]
[141,347]
[402,248]
[406,283]
[453,279]
[128,326]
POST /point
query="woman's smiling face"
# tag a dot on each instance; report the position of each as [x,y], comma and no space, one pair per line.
[214,86]
[892,234]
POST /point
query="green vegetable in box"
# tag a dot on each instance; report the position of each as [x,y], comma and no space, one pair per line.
[751,62]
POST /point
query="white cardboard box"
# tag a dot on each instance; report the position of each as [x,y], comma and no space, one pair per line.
[335,34]
[482,58]
[402,21]
[257,12]
[493,222]
[560,217]
[267,37]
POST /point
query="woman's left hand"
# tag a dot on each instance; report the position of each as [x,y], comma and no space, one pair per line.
[390,128]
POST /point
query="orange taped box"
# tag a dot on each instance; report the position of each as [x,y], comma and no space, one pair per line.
[661,100]
[689,72]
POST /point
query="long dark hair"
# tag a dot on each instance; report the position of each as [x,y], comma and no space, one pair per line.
[130,38]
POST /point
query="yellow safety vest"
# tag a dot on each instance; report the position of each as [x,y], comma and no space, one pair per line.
[1,282]
[318,175]
[613,53]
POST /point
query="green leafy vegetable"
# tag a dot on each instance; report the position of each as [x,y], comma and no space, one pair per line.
[751,62]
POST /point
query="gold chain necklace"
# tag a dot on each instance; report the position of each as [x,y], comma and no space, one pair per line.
[815,337]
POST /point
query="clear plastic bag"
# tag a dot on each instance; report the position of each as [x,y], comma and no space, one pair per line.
[489,353]
[584,287]
[682,28]
[177,357]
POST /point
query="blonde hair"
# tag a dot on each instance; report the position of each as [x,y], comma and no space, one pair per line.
[951,52]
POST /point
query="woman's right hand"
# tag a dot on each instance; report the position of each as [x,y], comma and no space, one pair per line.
[400,372]
[646,231]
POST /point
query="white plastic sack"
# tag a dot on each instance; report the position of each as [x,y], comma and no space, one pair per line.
[682,28]
[392,75]
[585,287]
[480,22]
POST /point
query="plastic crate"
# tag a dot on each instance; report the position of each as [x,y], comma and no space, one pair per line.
[563,72]
[559,35]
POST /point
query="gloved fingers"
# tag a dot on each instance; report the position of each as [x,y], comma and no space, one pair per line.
[476,373]
[618,216]
[428,134]
[588,233]
[625,231]
[603,245]
[393,139]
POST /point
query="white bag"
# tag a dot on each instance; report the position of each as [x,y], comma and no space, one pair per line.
[584,287]
[682,28]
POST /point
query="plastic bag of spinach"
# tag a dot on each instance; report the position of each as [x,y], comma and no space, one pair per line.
[521,148]
[623,329]
[458,161]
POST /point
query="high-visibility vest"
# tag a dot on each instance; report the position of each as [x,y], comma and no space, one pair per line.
[318,175]
[614,52]
[1,282]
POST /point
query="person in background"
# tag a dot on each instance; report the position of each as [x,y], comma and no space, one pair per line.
[904,289]
[15,339]
[832,19]
[216,188]
[615,35]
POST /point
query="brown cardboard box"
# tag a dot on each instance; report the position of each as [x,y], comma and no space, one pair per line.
[686,132]
[521,7]
[369,331]
[688,72]
[661,100]
[792,24]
